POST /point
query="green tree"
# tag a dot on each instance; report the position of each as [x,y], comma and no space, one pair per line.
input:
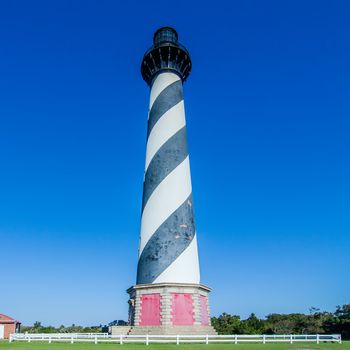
[342,320]
[253,325]
[37,325]
[227,324]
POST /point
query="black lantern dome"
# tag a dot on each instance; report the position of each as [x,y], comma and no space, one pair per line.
[166,54]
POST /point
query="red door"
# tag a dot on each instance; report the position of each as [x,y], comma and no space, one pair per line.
[182,309]
[204,310]
[150,310]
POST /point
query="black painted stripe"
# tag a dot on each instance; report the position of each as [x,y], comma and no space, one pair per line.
[168,157]
[167,243]
[167,99]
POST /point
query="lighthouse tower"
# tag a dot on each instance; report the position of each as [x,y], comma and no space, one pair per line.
[168,297]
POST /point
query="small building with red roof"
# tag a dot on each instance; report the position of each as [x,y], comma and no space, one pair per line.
[8,325]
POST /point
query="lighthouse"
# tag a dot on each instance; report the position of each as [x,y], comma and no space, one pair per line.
[168,297]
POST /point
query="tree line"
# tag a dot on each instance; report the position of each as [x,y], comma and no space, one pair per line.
[37,327]
[316,322]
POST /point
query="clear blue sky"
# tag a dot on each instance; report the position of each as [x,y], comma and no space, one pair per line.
[268,106]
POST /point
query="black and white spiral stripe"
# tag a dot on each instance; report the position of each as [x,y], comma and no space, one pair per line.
[168,246]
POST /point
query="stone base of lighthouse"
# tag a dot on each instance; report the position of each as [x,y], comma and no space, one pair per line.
[169,308]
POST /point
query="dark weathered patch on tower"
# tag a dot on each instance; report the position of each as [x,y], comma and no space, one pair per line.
[167,158]
[167,243]
[167,99]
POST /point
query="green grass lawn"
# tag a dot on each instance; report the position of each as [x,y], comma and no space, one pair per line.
[4,345]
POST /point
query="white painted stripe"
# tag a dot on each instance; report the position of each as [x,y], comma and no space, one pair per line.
[162,81]
[184,269]
[165,199]
[169,124]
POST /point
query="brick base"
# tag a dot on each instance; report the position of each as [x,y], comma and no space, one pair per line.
[169,308]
